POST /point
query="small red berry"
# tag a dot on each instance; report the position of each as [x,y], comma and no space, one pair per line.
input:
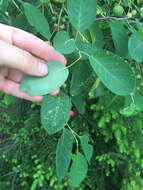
[72,113]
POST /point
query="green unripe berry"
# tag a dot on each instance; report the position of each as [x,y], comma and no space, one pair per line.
[141,10]
[141,84]
[118,10]
[141,14]
[139,77]
[129,15]
[134,12]
[62,26]
[54,18]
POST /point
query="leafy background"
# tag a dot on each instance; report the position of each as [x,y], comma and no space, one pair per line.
[100,148]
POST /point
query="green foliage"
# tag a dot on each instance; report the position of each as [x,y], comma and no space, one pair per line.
[63,43]
[114,72]
[36,19]
[82,13]
[100,147]
[53,116]
[36,86]
[78,170]
[63,153]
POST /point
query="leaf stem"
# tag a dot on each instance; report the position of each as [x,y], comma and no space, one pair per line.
[74,62]
[74,135]
[59,18]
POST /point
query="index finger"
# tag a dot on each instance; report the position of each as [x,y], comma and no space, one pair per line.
[30,43]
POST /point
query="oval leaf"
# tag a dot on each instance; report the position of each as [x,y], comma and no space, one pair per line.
[55,112]
[78,170]
[36,19]
[120,38]
[82,13]
[81,75]
[113,72]
[135,47]
[63,43]
[63,153]
[87,148]
[36,86]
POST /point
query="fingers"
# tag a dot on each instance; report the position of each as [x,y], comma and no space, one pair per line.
[10,87]
[30,43]
[14,57]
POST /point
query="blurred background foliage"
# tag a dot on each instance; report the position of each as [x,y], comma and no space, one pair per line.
[27,152]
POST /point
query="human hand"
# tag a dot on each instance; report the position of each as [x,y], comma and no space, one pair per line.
[22,52]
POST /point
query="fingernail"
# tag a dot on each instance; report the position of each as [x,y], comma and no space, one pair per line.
[43,69]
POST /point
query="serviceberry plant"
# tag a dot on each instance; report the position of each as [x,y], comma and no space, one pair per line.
[89,136]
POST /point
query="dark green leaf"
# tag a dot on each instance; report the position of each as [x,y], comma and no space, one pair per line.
[55,112]
[87,148]
[81,75]
[63,153]
[135,47]
[85,49]
[120,39]
[82,13]
[79,103]
[113,72]
[96,35]
[36,86]
[36,19]
[63,43]
[78,170]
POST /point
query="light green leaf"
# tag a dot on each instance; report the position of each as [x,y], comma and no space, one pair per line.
[82,13]
[79,103]
[78,170]
[63,43]
[132,108]
[114,72]
[63,153]
[120,39]
[55,112]
[81,74]
[135,47]
[36,86]
[87,148]
[36,19]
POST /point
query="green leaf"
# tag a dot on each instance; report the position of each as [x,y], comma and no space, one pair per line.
[114,72]
[55,112]
[87,148]
[63,153]
[9,99]
[36,86]
[140,29]
[120,39]
[132,108]
[96,35]
[36,19]
[78,170]
[81,75]
[85,49]
[82,13]
[63,43]
[79,103]
[135,47]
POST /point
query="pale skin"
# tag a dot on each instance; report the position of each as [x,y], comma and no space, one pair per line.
[22,52]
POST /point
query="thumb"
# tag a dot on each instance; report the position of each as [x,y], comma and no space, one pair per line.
[14,57]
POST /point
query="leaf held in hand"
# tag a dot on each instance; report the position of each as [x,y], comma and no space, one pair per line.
[36,86]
